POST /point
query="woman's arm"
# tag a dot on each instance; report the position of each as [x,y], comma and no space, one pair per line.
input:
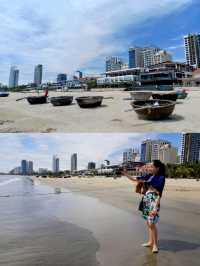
[133,179]
[158,201]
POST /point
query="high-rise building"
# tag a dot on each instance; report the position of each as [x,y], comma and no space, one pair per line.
[136,57]
[24,167]
[56,164]
[14,77]
[146,148]
[113,63]
[149,54]
[74,162]
[62,79]
[38,75]
[129,155]
[30,167]
[192,49]
[190,152]
[91,166]
[168,154]
[150,149]
[162,56]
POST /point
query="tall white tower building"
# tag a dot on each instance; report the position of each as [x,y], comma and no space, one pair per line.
[192,49]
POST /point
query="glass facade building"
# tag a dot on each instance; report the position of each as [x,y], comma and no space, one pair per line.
[38,75]
[190,148]
[74,162]
[14,77]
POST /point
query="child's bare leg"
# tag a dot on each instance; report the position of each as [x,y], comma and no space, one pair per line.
[150,242]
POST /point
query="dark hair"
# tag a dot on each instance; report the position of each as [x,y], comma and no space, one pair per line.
[161,166]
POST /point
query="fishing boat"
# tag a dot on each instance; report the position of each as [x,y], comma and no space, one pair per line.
[62,100]
[4,94]
[90,101]
[141,95]
[37,99]
[182,94]
[170,96]
[153,109]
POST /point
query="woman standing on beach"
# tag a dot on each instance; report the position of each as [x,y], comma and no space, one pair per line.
[153,185]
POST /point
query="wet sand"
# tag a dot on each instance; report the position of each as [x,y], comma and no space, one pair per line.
[115,115]
[31,234]
[179,226]
[96,225]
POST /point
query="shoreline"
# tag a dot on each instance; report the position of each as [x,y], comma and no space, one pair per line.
[182,190]
[103,214]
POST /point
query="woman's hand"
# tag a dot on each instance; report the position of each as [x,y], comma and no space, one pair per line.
[125,172]
[154,212]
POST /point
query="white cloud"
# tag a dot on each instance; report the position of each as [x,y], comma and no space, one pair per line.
[67,35]
[175,47]
[41,147]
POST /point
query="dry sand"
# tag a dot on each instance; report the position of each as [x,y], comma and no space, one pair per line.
[116,115]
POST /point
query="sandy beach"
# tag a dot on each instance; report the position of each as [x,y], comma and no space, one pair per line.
[93,222]
[179,227]
[179,200]
[115,115]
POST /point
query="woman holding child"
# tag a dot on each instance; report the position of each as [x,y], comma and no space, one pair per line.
[152,186]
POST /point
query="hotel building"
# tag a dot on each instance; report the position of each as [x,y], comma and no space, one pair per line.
[190,148]
[192,49]
[113,63]
[150,150]
[168,154]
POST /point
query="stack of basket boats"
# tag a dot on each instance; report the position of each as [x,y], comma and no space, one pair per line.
[161,106]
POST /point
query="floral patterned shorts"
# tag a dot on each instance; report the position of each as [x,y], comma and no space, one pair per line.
[149,204]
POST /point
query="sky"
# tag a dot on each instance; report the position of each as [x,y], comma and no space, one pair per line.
[40,148]
[68,35]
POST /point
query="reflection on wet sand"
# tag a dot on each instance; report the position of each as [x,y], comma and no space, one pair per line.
[52,226]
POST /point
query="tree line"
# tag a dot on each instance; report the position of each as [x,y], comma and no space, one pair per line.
[183,170]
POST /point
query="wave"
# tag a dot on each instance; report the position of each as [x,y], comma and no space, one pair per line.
[9,181]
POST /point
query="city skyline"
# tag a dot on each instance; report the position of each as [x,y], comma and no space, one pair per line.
[40,35]
[41,148]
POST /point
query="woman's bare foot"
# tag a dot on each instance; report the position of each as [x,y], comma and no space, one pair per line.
[155,249]
[147,245]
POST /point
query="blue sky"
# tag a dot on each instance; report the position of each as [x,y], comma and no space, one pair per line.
[90,147]
[68,35]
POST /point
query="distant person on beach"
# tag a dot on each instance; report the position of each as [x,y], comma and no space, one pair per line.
[151,186]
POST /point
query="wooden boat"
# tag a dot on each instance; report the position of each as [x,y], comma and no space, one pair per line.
[62,100]
[141,95]
[4,94]
[90,101]
[171,96]
[37,99]
[153,109]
